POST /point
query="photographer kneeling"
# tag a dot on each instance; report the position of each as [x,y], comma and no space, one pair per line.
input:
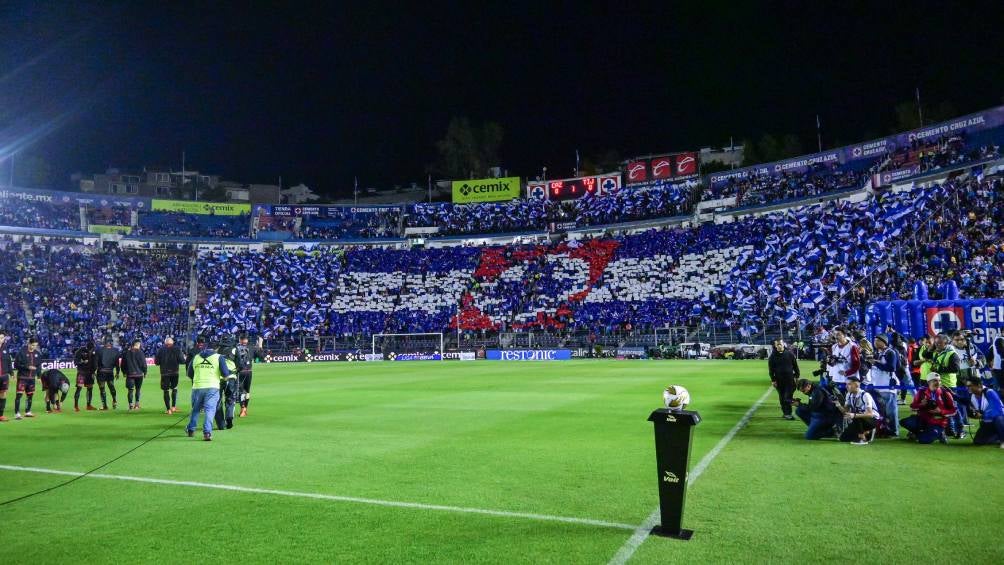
[934,406]
[860,413]
[985,405]
[820,414]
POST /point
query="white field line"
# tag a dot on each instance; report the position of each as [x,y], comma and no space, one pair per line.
[329,497]
[642,531]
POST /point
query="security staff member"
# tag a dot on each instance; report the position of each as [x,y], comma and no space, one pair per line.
[228,385]
[783,368]
[86,362]
[108,370]
[169,358]
[29,368]
[205,368]
[246,354]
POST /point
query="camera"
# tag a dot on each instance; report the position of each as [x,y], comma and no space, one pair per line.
[931,404]
[835,359]
[819,372]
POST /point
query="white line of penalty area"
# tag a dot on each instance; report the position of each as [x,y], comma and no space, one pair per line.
[642,532]
[329,497]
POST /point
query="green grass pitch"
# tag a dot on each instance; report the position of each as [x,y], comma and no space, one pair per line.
[560,439]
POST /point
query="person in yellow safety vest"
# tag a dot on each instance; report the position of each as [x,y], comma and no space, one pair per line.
[205,369]
[923,359]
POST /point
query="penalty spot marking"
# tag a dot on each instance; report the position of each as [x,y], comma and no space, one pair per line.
[330,497]
[642,532]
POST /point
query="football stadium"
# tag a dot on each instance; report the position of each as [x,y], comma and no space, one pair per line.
[789,346]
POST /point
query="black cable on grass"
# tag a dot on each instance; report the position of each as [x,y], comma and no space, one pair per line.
[98,468]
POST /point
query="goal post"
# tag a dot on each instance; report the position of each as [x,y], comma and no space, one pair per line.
[431,342]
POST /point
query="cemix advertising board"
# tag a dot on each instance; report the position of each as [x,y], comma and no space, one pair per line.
[486,190]
[189,207]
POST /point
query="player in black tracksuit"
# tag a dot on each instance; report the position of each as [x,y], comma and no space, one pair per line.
[134,367]
[169,358]
[245,357]
[55,382]
[85,359]
[108,370]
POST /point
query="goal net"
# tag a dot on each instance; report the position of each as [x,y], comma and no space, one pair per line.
[392,345]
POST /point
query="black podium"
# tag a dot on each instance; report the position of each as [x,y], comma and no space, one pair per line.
[673,431]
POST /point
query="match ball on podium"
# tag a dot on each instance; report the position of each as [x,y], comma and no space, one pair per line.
[676,397]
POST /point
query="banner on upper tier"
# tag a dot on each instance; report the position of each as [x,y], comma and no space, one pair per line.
[96,228]
[529,355]
[80,198]
[986,126]
[486,190]
[190,207]
[917,318]
[320,211]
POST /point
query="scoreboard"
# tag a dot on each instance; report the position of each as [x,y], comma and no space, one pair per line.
[573,189]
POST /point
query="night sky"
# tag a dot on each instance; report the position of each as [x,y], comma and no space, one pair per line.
[322,94]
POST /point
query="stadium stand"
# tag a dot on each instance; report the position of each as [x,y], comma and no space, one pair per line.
[38,214]
[179,224]
[67,293]
[800,264]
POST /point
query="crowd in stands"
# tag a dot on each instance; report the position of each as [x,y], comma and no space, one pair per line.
[768,187]
[816,181]
[110,216]
[944,152]
[808,265]
[352,225]
[179,224]
[801,266]
[658,200]
[358,291]
[66,293]
[37,214]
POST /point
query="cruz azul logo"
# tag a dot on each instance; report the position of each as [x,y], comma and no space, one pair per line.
[945,320]
[670,477]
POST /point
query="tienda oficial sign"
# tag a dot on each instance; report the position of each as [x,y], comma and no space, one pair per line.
[486,190]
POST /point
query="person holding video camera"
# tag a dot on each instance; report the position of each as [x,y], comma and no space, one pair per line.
[946,364]
[844,359]
[885,381]
[996,363]
[821,413]
[860,413]
[867,354]
[986,407]
[971,364]
[783,368]
[934,406]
